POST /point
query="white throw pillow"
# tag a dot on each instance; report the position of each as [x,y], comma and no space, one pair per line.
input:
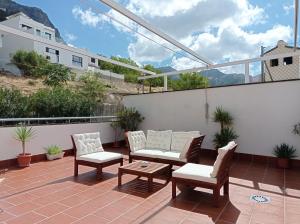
[179,140]
[87,143]
[221,153]
[137,140]
[159,140]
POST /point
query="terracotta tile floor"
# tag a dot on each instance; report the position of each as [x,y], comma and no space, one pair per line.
[46,192]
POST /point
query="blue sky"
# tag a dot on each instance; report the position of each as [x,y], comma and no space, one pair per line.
[233,32]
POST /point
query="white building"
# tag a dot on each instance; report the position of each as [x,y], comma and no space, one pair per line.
[19,32]
[281,68]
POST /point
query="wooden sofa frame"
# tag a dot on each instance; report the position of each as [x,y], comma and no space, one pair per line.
[192,155]
[98,166]
[222,179]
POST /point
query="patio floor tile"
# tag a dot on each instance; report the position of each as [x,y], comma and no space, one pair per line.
[47,192]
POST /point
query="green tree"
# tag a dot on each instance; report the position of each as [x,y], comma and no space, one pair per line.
[189,81]
[92,87]
[61,102]
[14,104]
[129,74]
[154,82]
[30,63]
[56,74]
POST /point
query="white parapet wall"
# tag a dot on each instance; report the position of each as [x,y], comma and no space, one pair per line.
[50,135]
[264,114]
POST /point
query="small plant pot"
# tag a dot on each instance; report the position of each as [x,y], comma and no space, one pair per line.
[283,163]
[24,160]
[56,156]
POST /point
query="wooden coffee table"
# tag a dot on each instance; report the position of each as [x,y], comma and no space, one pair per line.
[150,171]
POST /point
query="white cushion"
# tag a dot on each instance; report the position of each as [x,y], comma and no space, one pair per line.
[137,140]
[159,140]
[100,157]
[172,156]
[158,154]
[87,143]
[221,153]
[152,153]
[196,172]
[179,139]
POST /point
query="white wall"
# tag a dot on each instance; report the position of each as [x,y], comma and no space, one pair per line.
[264,114]
[50,135]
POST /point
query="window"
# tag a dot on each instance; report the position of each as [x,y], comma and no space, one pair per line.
[77,61]
[25,27]
[288,61]
[38,32]
[48,57]
[52,51]
[48,35]
[93,60]
[274,62]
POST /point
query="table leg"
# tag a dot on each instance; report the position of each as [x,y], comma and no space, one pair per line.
[150,184]
[119,178]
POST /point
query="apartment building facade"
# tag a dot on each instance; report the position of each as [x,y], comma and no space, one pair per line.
[19,32]
[281,68]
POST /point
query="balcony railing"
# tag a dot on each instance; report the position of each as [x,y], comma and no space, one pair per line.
[56,120]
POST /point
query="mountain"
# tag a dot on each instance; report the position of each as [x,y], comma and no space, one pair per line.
[9,7]
[218,78]
[215,77]
[166,69]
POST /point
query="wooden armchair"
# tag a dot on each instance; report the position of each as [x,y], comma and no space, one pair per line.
[210,177]
[88,151]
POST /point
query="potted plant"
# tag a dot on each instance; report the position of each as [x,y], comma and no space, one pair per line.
[54,152]
[226,133]
[284,154]
[24,134]
[128,120]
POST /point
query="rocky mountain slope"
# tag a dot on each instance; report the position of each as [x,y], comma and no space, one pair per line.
[9,7]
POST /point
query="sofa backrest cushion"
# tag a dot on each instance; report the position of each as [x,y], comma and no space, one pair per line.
[221,154]
[159,140]
[137,140]
[87,143]
[179,140]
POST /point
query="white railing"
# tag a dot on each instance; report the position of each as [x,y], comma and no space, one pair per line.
[245,62]
[54,120]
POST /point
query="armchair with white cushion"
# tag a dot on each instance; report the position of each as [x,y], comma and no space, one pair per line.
[210,177]
[88,151]
[174,148]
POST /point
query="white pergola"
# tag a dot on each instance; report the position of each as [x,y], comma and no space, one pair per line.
[209,65]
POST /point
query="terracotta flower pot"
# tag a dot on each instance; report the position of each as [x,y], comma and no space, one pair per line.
[283,163]
[24,160]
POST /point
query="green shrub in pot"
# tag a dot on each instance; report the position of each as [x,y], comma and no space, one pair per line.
[54,152]
[284,154]
[226,133]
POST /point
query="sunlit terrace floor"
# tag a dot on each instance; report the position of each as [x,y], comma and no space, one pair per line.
[47,193]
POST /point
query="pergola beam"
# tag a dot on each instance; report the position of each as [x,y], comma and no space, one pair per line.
[296,24]
[114,5]
[239,62]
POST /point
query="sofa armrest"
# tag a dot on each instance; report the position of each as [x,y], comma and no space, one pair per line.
[193,153]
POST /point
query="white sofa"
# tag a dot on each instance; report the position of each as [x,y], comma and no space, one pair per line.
[175,148]
[89,152]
